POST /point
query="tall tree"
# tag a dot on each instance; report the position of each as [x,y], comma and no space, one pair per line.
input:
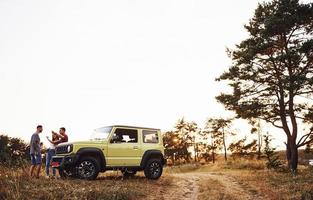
[272,70]
[213,141]
[219,129]
[175,146]
[187,131]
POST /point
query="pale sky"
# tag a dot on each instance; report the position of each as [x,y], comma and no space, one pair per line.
[87,64]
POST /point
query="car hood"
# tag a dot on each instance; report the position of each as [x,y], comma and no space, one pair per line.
[85,144]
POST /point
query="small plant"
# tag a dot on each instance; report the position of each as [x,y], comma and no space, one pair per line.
[273,161]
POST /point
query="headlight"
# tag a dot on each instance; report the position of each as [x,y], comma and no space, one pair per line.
[69,148]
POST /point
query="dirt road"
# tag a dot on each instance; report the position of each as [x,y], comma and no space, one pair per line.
[205,185]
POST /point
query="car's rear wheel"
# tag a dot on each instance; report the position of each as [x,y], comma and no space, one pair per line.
[128,172]
[88,168]
[153,169]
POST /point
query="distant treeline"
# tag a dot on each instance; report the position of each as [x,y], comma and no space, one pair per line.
[188,143]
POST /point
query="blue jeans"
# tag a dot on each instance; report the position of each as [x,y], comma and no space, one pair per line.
[50,153]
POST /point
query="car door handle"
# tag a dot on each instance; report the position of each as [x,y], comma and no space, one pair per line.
[135,147]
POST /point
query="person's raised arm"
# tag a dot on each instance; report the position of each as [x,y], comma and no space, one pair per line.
[59,135]
[52,142]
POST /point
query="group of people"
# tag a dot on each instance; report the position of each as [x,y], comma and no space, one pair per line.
[36,150]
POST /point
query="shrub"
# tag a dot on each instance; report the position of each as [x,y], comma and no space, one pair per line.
[13,151]
[273,161]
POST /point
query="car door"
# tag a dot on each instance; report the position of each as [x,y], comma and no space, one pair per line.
[124,148]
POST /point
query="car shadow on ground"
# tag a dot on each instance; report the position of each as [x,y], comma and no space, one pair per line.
[121,177]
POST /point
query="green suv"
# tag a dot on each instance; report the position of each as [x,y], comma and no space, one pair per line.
[126,148]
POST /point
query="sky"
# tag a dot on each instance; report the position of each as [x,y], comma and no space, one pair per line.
[87,64]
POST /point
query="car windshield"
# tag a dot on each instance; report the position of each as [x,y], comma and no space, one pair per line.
[101,133]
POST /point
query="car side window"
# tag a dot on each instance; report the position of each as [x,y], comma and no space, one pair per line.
[125,136]
[150,136]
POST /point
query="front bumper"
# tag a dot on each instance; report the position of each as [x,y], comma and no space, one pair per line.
[64,161]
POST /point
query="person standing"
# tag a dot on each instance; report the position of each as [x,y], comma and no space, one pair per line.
[50,153]
[62,137]
[35,153]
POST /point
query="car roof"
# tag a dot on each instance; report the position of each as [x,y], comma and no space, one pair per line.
[136,127]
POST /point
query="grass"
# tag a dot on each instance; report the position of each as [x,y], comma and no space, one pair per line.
[109,186]
[253,177]
[278,185]
[213,189]
[182,168]
[250,176]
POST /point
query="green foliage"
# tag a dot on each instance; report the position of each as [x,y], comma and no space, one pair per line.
[274,64]
[273,161]
[175,147]
[178,141]
[272,69]
[13,151]
[241,149]
[256,129]
[218,129]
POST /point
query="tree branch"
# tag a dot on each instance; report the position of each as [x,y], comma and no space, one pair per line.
[303,140]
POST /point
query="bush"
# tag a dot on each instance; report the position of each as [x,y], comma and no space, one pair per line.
[273,161]
[13,151]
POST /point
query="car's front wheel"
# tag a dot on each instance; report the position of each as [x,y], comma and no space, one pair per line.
[153,169]
[88,168]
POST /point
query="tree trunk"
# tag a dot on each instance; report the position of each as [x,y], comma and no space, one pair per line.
[213,156]
[195,149]
[259,145]
[225,151]
[288,153]
[292,154]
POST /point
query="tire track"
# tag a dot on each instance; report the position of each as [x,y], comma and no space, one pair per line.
[185,186]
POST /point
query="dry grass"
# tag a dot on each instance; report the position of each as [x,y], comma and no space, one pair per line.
[248,176]
[213,189]
[17,185]
[258,181]
[278,185]
[182,168]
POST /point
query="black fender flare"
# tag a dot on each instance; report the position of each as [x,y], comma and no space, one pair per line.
[93,151]
[151,154]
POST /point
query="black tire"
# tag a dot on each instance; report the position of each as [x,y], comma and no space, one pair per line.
[153,169]
[87,168]
[128,172]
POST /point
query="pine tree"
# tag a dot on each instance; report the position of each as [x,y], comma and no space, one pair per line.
[273,161]
[272,68]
